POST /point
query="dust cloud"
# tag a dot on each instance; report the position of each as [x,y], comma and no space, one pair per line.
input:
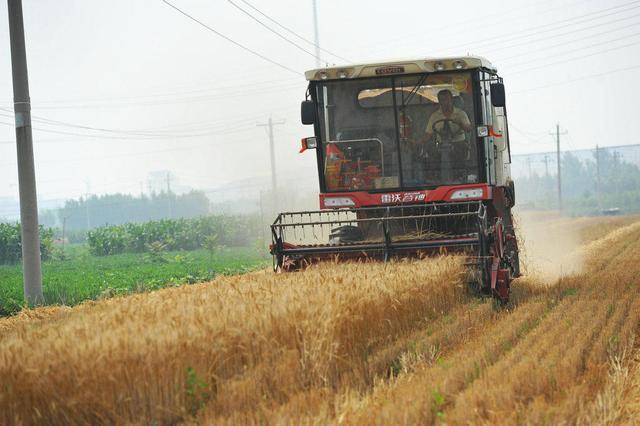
[550,245]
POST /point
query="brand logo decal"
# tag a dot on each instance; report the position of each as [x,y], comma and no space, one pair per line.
[389,70]
[403,197]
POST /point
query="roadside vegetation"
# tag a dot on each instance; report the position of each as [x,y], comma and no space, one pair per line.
[174,234]
[133,257]
[10,243]
[398,343]
[79,276]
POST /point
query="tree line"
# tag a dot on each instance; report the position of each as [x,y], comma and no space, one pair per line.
[117,209]
[588,186]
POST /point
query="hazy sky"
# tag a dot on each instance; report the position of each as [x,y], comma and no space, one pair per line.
[171,95]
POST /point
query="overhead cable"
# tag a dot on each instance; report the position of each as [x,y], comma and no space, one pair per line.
[229,39]
[551,26]
[200,90]
[576,30]
[271,30]
[576,58]
[289,30]
[564,53]
[577,79]
[169,101]
[564,43]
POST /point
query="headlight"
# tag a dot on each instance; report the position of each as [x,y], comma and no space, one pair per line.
[463,194]
[339,202]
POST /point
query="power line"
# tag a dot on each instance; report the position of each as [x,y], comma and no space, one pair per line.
[557,25]
[291,42]
[481,20]
[529,136]
[200,90]
[145,153]
[525,132]
[553,36]
[47,121]
[230,40]
[293,32]
[212,129]
[225,132]
[564,53]
[160,134]
[575,80]
[39,141]
[130,155]
[528,52]
[611,49]
[125,137]
[552,26]
[243,90]
[582,150]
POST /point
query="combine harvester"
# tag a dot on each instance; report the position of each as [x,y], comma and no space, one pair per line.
[413,160]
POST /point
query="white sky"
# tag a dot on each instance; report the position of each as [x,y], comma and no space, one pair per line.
[141,67]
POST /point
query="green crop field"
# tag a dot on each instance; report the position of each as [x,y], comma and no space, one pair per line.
[82,276]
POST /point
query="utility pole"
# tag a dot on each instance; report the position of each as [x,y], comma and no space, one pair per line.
[598,175]
[31,265]
[557,135]
[546,165]
[274,185]
[64,231]
[529,166]
[264,239]
[316,33]
[86,204]
[170,203]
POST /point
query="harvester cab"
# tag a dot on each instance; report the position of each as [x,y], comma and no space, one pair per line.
[413,160]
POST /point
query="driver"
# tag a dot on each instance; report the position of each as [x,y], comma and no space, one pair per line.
[447,111]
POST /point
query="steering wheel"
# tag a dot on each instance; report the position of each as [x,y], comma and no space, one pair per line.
[446,133]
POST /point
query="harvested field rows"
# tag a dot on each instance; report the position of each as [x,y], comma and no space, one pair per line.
[357,344]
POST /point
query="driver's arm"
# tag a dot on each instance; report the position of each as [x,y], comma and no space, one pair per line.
[428,131]
[462,119]
[428,135]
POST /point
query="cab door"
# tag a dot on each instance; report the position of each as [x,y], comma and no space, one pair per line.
[486,117]
[496,142]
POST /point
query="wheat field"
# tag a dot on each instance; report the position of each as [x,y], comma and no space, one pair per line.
[369,343]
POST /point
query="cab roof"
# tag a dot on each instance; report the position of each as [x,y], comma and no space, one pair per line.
[412,66]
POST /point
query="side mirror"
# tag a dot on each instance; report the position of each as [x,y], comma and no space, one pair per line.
[308,112]
[497,95]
